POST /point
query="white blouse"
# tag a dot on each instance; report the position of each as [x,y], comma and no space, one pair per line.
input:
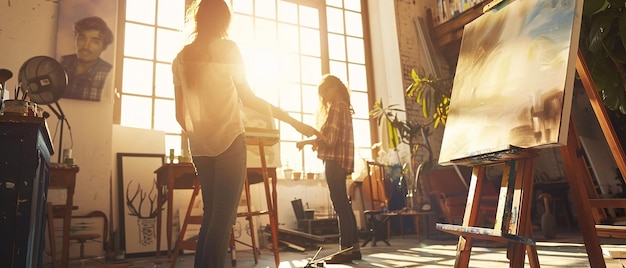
[211,103]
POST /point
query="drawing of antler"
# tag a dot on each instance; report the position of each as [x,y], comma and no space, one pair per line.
[137,210]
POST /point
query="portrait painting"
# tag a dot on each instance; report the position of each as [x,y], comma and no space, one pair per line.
[85,46]
[514,79]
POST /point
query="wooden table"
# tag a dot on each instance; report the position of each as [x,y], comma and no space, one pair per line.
[416,214]
[182,176]
[64,177]
[169,178]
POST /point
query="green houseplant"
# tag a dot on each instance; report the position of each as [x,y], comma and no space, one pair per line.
[603,46]
[432,96]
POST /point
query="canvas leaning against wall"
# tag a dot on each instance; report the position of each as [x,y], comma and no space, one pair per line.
[514,79]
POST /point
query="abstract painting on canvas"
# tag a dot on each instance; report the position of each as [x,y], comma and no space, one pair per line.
[514,79]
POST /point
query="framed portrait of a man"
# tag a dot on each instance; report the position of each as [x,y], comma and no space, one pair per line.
[85,46]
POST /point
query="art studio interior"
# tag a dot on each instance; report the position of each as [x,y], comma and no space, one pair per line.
[486,133]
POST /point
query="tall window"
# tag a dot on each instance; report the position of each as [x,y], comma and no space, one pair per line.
[286,44]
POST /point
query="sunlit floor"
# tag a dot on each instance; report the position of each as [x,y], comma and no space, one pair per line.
[567,250]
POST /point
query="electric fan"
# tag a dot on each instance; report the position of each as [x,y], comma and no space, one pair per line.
[44,80]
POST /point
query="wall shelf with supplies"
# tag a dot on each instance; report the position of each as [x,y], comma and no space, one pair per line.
[447,35]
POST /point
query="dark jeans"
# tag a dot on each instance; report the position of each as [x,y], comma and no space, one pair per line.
[336,179]
[221,180]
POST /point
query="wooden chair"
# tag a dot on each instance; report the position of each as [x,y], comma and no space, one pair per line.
[448,190]
[374,191]
[81,238]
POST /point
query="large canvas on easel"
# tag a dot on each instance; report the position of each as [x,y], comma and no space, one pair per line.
[514,79]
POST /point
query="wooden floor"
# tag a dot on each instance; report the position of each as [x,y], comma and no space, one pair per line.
[438,250]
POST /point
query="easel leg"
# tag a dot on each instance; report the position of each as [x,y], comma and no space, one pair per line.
[470,218]
[574,164]
[523,192]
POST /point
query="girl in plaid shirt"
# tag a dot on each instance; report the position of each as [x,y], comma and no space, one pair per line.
[335,146]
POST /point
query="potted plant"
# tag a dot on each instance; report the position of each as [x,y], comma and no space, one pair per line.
[603,46]
[432,95]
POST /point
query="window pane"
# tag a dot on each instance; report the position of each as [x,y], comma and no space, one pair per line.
[242,30]
[354,24]
[311,163]
[354,5]
[242,6]
[293,68]
[265,8]
[359,102]
[309,17]
[288,154]
[311,70]
[362,126]
[287,132]
[165,111]
[356,51]
[309,99]
[173,142]
[140,11]
[362,153]
[139,41]
[358,77]
[164,85]
[137,77]
[309,119]
[137,112]
[171,14]
[336,3]
[288,38]
[168,44]
[310,42]
[338,69]
[335,20]
[287,12]
[336,47]
[290,98]
[265,34]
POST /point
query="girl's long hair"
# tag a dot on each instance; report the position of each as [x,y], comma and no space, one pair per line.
[331,82]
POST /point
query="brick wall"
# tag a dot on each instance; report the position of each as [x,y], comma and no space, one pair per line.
[411,58]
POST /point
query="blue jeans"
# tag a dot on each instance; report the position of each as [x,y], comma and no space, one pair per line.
[336,179]
[221,178]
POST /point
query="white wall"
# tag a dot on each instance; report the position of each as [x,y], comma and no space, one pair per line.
[28,29]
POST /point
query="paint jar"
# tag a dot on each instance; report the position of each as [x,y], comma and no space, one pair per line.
[16,107]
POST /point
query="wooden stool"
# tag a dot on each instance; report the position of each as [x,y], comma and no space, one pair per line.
[64,177]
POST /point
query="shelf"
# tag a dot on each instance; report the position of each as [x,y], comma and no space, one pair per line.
[447,36]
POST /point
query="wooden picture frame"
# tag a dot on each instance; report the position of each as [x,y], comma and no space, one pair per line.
[137,200]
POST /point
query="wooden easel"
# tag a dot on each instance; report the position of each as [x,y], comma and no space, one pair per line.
[513,215]
[512,222]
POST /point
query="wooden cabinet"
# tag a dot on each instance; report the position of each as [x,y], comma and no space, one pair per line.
[24,165]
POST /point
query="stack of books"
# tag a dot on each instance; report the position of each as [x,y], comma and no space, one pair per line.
[451,8]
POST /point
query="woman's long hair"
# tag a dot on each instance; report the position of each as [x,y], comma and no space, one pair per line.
[206,20]
[331,82]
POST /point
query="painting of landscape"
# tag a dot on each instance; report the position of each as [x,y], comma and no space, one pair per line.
[514,79]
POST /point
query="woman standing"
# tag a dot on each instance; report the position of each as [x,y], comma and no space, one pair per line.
[335,146]
[210,84]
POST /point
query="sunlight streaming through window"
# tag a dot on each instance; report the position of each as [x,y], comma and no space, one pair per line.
[285,46]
